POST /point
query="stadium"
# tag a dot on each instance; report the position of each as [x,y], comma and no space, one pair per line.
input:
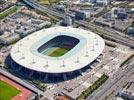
[57,53]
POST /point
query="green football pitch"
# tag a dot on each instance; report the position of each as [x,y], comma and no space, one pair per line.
[7,91]
[58,52]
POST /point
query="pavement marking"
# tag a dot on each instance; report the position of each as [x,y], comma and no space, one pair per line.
[111,57]
[115,59]
[86,84]
[117,66]
[122,51]
[98,74]
[106,67]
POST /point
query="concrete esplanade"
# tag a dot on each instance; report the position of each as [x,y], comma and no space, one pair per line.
[86,51]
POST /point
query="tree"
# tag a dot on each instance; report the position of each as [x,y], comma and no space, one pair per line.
[50,2]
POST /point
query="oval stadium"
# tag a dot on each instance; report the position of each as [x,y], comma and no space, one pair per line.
[57,53]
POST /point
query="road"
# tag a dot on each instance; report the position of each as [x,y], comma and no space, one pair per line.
[117,37]
[114,36]
[37,6]
[20,81]
[120,77]
[114,90]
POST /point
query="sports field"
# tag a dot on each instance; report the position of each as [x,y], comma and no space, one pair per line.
[55,51]
[58,46]
[10,90]
[7,91]
[58,52]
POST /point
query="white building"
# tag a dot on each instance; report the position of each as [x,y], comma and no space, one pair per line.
[26,54]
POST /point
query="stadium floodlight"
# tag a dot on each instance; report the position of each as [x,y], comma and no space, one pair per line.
[46,65]
[77,61]
[86,54]
[33,62]
[63,64]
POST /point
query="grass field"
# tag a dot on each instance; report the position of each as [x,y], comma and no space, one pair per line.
[48,1]
[7,91]
[58,52]
[8,12]
[43,1]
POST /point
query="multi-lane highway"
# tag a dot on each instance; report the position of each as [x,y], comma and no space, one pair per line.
[117,80]
[101,31]
[41,8]
[118,38]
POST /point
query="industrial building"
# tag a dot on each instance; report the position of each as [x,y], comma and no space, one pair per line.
[67,21]
[130,31]
[81,15]
[100,2]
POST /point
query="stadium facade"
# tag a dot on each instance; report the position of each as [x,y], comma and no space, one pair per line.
[57,53]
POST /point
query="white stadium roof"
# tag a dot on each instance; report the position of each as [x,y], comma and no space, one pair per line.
[22,53]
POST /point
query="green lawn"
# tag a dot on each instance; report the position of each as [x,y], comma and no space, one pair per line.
[7,91]
[48,1]
[8,12]
[59,52]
